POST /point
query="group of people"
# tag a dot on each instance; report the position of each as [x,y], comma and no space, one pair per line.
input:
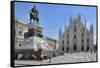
[21,56]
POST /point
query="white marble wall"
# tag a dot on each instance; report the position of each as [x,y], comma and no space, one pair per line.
[80,28]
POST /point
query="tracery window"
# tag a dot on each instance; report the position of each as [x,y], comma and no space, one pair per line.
[75,28]
[74,36]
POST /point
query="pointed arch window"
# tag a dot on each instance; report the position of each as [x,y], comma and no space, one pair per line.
[67,35]
[82,35]
[82,48]
[67,49]
[75,47]
[67,41]
[63,48]
[87,40]
[74,36]
[87,47]
[62,41]
[75,28]
[82,41]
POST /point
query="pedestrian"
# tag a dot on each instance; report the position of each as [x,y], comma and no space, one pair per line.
[49,59]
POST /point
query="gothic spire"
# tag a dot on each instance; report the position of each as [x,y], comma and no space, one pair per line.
[65,25]
[60,32]
[85,23]
[91,27]
[79,16]
[70,19]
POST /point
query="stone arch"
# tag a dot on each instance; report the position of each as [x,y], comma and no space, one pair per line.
[87,48]
[82,48]
[75,47]
[25,34]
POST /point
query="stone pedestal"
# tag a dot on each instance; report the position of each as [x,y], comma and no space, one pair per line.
[34,29]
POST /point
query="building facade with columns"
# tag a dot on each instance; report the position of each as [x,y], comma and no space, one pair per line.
[20,30]
[76,37]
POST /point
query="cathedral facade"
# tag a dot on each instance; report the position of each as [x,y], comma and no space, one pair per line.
[76,37]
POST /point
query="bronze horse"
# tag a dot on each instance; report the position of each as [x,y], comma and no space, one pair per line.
[34,15]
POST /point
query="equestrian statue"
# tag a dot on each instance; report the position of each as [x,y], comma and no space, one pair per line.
[34,15]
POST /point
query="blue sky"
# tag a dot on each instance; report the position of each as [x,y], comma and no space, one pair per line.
[52,17]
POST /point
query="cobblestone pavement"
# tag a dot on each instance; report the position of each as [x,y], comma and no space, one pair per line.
[66,58]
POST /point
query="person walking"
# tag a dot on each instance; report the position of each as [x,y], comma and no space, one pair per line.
[49,58]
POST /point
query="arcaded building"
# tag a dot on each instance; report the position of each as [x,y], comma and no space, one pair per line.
[76,37]
[20,30]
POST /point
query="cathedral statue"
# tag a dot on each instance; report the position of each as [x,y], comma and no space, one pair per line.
[34,15]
